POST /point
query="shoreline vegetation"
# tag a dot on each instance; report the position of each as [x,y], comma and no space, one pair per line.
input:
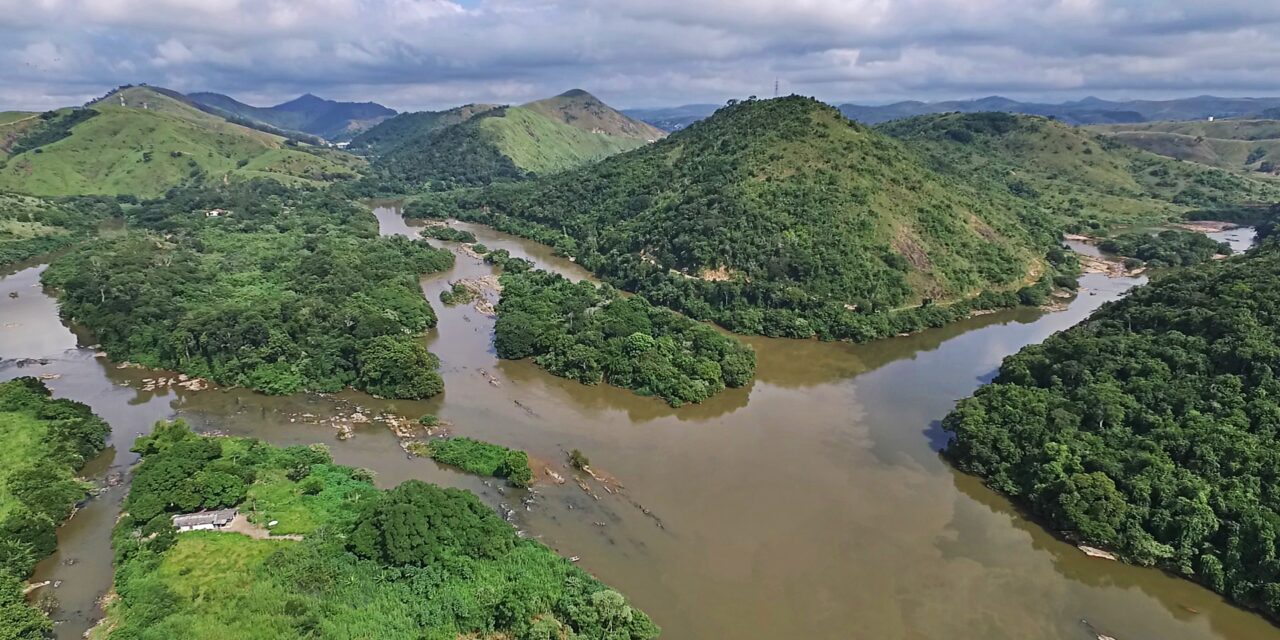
[413,562]
[1149,429]
[46,442]
[593,334]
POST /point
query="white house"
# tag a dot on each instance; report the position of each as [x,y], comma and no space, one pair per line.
[204,520]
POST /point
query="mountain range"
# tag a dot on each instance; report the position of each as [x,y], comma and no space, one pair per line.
[335,121]
[1087,111]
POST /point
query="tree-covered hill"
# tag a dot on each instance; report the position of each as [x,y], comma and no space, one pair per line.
[260,285]
[783,217]
[31,226]
[143,141]
[505,144]
[1152,428]
[1085,180]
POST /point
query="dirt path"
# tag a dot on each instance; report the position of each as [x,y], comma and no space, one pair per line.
[242,525]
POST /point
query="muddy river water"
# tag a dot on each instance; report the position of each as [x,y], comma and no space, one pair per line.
[812,504]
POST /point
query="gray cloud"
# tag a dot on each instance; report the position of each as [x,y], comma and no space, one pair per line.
[434,53]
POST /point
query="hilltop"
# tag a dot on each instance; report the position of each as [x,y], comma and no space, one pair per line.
[783,217]
[1238,144]
[580,109]
[144,140]
[510,143]
[310,114]
[1086,180]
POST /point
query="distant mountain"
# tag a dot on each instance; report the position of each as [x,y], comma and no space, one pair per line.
[1236,144]
[510,143]
[145,140]
[1087,111]
[673,118]
[406,126]
[309,114]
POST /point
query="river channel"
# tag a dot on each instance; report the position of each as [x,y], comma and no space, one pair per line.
[812,504]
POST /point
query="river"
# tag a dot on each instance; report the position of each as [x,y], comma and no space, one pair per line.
[810,504]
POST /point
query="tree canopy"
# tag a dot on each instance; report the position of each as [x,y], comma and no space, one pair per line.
[1152,428]
[259,285]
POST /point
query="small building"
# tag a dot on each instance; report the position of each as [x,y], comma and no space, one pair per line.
[204,520]
[215,213]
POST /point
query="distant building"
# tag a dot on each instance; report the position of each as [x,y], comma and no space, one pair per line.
[204,521]
[214,213]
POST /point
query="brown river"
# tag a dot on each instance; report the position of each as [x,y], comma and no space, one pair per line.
[812,504]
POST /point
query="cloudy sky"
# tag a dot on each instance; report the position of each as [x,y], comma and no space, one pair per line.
[413,54]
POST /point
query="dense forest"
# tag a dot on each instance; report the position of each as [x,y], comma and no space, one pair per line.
[1168,248]
[416,562]
[782,217]
[31,226]
[459,155]
[594,334]
[259,285]
[46,441]
[1152,428]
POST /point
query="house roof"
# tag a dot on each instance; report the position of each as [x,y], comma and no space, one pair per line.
[217,518]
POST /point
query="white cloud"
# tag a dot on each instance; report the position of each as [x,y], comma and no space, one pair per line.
[429,53]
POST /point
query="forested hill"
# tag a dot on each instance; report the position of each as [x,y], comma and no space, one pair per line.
[142,141]
[780,217]
[1084,179]
[1153,428]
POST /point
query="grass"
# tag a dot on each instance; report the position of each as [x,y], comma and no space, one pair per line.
[140,151]
[542,145]
[480,458]
[24,440]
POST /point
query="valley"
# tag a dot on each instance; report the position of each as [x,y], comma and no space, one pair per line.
[853,489]
[685,363]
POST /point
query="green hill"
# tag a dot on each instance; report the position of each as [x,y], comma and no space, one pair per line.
[309,114]
[406,126]
[14,125]
[511,143]
[142,141]
[1085,179]
[1238,145]
[783,217]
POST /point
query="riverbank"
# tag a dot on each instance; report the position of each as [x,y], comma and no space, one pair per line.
[811,503]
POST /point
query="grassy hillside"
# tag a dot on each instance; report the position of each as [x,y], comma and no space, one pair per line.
[1084,179]
[501,144]
[142,142]
[309,114]
[581,110]
[783,217]
[408,126]
[1238,145]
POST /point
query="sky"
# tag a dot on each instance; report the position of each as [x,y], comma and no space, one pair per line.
[428,54]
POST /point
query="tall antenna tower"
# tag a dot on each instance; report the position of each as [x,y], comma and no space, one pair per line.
[775,87]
